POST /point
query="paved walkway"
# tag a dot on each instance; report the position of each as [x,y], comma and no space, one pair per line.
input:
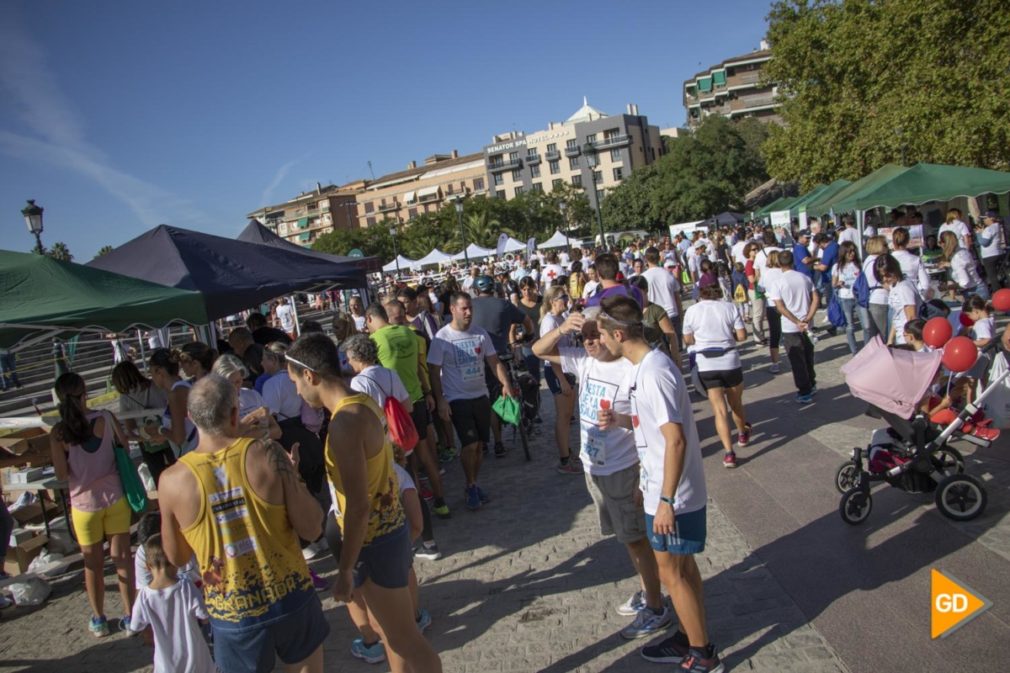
[528,584]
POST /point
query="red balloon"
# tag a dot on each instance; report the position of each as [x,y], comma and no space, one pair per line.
[937,332]
[959,354]
[1001,300]
[965,319]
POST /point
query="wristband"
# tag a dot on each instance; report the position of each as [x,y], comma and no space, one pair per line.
[668,501]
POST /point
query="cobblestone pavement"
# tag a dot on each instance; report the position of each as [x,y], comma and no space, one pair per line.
[528,584]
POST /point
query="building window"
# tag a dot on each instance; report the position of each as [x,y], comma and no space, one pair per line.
[513,156]
[369,207]
[370,221]
[556,183]
[500,194]
[537,187]
[478,184]
[615,155]
[517,175]
[577,180]
[618,174]
[591,138]
[494,160]
[282,228]
[498,179]
[597,177]
[531,152]
[519,190]
[555,166]
[573,163]
[412,213]
[552,147]
[448,188]
[572,144]
[535,170]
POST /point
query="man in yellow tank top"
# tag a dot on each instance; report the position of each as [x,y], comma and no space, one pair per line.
[376,556]
[239,505]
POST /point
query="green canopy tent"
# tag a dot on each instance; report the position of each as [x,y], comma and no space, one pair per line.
[761,212]
[41,297]
[803,199]
[860,186]
[813,206]
[923,183]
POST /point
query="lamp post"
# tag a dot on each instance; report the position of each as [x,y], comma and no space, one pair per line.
[593,160]
[458,202]
[396,253]
[33,218]
[564,222]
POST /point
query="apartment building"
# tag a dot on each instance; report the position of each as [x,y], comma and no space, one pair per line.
[733,89]
[402,196]
[588,149]
[309,215]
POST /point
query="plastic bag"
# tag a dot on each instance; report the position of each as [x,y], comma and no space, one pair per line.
[400,424]
[45,562]
[29,590]
[997,404]
[508,409]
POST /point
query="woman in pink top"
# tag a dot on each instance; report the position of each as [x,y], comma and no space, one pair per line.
[83,455]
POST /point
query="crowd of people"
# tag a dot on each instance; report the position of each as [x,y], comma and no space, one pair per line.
[281,441]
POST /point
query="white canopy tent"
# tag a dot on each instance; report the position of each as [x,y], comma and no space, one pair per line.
[474,251]
[558,240]
[687,227]
[436,256]
[404,263]
[514,246]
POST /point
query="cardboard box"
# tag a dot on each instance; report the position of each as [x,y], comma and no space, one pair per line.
[20,442]
[26,475]
[32,514]
[19,557]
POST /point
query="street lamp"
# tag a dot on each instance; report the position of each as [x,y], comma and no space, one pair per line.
[564,222]
[593,160]
[396,254]
[462,235]
[33,218]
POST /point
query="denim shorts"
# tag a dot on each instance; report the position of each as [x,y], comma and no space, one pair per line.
[553,384]
[386,560]
[688,536]
[292,638]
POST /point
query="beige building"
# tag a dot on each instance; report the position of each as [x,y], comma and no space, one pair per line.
[421,189]
[519,162]
[309,215]
[733,89]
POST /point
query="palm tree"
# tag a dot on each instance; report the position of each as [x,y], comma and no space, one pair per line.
[104,250]
[61,252]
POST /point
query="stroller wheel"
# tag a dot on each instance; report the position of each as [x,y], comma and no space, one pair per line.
[856,506]
[961,497]
[948,461]
[846,476]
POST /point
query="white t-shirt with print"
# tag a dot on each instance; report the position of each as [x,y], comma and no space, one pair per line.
[659,396]
[172,614]
[663,289]
[286,317]
[713,324]
[551,273]
[603,451]
[847,274]
[461,355]
[901,295]
[794,289]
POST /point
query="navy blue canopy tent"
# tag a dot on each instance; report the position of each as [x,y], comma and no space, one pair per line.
[255,232]
[726,219]
[230,275]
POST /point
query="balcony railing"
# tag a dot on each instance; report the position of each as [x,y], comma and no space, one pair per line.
[386,207]
[552,155]
[573,151]
[612,142]
[505,165]
[532,159]
[752,102]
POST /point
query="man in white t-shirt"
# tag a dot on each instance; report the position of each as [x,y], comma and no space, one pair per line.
[664,290]
[849,232]
[796,300]
[670,477]
[286,317]
[552,270]
[610,460]
[456,368]
[739,245]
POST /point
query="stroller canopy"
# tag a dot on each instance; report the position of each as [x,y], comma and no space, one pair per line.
[893,380]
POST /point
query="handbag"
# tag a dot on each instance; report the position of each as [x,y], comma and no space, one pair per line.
[133,488]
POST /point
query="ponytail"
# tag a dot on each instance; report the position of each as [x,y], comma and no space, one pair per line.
[73,427]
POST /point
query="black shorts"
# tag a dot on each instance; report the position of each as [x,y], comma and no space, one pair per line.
[386,560]
[419,414]
[721,378]
[472,420]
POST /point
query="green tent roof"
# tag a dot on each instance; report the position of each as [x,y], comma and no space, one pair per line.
[803,199]
[774,205]
[860,186]
[813,206]
[41,293]
[923,183]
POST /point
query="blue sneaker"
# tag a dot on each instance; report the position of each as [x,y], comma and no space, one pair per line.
[372,654]
[472,497]
[423,620]
[99,627]
[813,389]
[805,399]
[484,498]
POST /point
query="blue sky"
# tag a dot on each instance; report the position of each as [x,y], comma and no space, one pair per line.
[118,116]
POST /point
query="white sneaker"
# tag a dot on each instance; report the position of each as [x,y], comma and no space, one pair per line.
[314,549]
[647,623]
[633,605]
[775,369]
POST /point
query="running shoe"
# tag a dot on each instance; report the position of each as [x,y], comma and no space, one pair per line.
[441,509]
[729,460]
[499,450]
[813,389]
[775,368]
[805,399]
[314,549]
[698,661]
[569,467]
[99,627]
[318,582]
[472,498]
[426,494]
[647,623]
[446,454]
[743,438]
[633,605]
[124,625]
[423,620]
[372,654]
[673,650]
[484,497]
[428,551]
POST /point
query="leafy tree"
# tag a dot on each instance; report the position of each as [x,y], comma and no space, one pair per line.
[61,252]
[866,82]
[104,250]
[371,241]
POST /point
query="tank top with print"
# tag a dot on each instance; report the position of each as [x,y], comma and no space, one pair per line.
[249,556]
[385,514]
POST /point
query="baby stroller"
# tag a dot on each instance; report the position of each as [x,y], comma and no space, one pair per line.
[911,453]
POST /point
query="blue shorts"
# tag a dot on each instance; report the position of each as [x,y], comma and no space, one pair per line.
[292,638]
[553,384]
[688,537]
[386,560]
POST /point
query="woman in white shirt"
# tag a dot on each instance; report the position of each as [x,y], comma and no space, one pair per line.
[992,247]
[255,420]
[955,225]
[712,329]
[877,311]
[962,267]
[903,298]
[552,314]
[843,278]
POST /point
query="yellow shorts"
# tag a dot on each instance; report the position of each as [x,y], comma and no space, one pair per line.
[94,527]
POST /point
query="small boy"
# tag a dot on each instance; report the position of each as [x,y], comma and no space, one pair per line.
[171,608]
